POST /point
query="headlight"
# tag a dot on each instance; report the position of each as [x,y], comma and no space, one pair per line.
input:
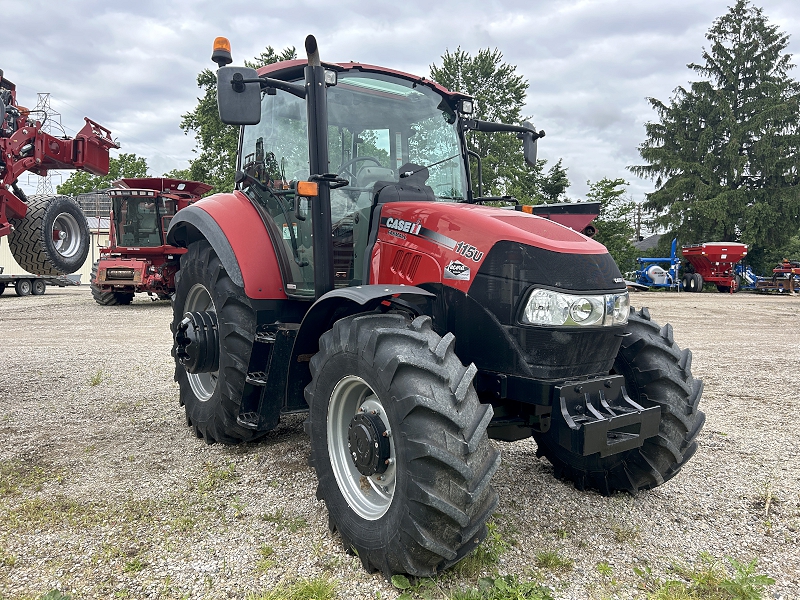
[546,307]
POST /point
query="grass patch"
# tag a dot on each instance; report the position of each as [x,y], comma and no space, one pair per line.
[318,588]
[50,512]
[216,475]
[710,580]
[264,562]
[553,561]
[486,555]
[624,534]
[16,475]
[503,588]
[282,522]
[97,378]
[7,559]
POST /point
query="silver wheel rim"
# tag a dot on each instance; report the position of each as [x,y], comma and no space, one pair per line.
[368,496]
[202,384]
[66,235]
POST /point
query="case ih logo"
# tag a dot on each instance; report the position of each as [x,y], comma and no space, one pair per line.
[457,270]
[404,226]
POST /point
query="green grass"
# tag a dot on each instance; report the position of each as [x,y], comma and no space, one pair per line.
[216,476]
[318,588]
[97,378]
[264,562]
[486,555]
[710,580]
[503,588]
[553,561]
[17,475]
[283,522]
[624,534]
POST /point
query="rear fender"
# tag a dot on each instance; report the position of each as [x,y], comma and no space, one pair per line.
[236,232]
[336,305]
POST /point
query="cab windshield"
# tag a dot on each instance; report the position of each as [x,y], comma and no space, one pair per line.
[140,221]
[381,128]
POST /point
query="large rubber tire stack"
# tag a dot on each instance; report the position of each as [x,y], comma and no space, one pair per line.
[657,373]
[438,499]
[107,298]
[36,244]
[212,400]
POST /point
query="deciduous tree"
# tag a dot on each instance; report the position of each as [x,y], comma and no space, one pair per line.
[126,165]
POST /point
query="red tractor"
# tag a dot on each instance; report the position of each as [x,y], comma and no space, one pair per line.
[48,235]
[138,258]
[355,275]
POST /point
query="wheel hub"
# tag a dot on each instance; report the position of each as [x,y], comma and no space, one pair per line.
[197,342]
[368,443]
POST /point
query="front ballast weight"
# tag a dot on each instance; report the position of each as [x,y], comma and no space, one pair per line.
[598,417]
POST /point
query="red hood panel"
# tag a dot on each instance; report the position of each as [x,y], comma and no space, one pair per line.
[458,237]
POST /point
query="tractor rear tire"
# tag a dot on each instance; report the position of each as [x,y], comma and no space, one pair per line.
[52,238]
[107,298]
[657,373]
[23,287]
[39,287]
[429,508]
[212,400]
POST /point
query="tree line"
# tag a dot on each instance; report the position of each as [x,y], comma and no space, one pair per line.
[723,153]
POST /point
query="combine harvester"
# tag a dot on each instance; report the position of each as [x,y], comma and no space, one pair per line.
[139,259]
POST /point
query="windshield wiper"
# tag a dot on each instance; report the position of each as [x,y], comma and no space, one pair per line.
[410,173]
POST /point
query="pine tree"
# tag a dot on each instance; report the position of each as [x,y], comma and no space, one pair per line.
[724,154]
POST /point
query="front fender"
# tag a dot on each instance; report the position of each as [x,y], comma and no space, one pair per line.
[233,227]
[331,307]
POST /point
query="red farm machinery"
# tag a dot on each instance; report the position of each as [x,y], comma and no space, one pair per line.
[355,275]
[48,235]
[138,258]
[715,263]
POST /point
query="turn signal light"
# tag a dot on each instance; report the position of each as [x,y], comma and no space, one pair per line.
[307,188]
[527,208]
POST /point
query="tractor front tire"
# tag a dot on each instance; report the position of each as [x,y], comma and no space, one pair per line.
[52,238]
[657,373]
[107,298]
[212,400]
[420,502]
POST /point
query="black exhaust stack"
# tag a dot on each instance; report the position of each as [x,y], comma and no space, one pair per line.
[317,107]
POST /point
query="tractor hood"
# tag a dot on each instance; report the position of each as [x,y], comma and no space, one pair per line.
[460,237]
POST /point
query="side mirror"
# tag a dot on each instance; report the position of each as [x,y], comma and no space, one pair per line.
[238,95]
[529,145]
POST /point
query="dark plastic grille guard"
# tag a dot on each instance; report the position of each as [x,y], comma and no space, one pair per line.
[598,416]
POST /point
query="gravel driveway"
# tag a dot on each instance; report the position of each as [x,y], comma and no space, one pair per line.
[104,492]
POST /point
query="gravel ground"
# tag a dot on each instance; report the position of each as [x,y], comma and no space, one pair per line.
[104,492]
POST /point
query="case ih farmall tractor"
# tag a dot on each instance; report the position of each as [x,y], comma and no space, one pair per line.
[355,275]
[48,235]
[138,258]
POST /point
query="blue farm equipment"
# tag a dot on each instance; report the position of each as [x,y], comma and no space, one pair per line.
[652,274]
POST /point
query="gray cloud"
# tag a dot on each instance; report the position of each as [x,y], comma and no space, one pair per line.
[591,64]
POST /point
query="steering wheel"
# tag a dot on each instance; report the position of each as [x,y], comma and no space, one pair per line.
[346,167]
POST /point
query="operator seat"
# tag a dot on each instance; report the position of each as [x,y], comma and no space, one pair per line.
[411,188]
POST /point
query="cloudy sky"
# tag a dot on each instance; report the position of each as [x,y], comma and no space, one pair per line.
[591,64]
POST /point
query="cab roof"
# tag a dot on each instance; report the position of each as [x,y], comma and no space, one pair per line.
[289,70]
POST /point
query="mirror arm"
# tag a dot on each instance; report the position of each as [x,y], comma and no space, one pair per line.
[238,84]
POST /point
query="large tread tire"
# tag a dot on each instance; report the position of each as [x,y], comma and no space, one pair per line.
[215,418]
[32,242]
[107,298]
[657,373]
[3,285]
[444,461]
